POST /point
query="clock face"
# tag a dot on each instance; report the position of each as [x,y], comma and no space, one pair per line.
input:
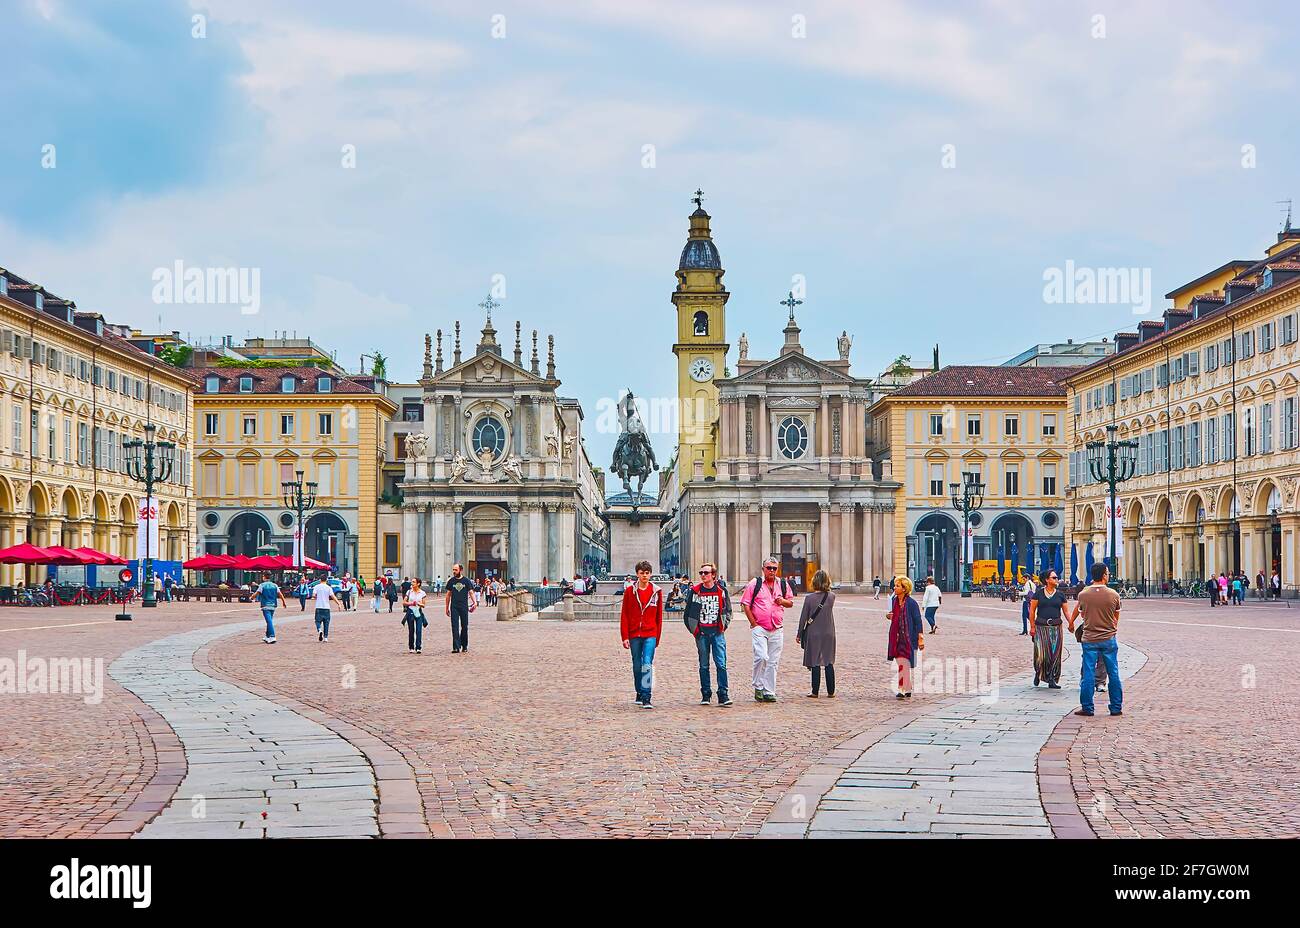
[701,370]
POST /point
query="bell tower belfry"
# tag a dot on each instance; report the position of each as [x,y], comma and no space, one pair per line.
[701,348]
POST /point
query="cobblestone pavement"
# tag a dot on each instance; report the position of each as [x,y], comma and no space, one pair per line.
[73,768]
[1208,744]
[968,768]
[533,732]
[255,769]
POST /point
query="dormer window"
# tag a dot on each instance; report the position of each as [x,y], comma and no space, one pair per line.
[288,383]
[701,323]
[212,385]
[1266,279]
[324,384]
[245,384]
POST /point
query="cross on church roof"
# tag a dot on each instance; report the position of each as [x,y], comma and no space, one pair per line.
[791,302]
[489,304]
[698,199]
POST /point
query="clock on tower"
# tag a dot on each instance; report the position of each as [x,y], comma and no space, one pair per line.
[701,347]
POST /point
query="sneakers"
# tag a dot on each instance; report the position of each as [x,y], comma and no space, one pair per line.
[907,695]
[1083,712]
[769,697]
[326,639]
[646,705]
[830,695]
[900,695]
[418,651]
[638,703]
[705,701]
[812,695]
[410,650]
[758,695]
[1118,712]
[725,703]
[320,636]
[1053,686]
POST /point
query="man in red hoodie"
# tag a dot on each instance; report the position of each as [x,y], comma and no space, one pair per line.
[642,620]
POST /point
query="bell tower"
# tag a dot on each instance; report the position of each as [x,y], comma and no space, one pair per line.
[701,348]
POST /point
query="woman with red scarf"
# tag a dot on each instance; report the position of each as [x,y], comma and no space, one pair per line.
[905,640]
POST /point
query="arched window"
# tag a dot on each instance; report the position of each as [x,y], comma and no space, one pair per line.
[701,323]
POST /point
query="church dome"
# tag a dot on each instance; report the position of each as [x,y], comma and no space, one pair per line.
[700,253]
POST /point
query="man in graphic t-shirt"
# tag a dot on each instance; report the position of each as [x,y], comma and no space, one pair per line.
[708,613]
[460,603]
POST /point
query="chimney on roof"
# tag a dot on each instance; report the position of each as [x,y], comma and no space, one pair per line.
[1124,341]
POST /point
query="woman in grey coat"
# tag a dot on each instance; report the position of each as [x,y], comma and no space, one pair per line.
[816,633]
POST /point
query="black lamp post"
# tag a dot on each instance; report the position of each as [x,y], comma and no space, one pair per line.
[1112,462]
[149,462]
[301,498]
[967,497]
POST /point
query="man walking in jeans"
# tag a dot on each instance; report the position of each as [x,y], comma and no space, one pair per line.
[1099,612]
[707,615]
[765,600]
[459,605]
[268,594]
[641,623]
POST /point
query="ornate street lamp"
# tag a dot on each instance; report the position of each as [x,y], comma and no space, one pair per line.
[967,497]
[149,462]
[301,498]
[1112,462]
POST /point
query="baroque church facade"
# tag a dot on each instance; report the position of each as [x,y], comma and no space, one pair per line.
[498,479]
[773,460]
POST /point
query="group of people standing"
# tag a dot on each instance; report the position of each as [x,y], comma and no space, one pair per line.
[1225,589]
[707,612]
[1097,612]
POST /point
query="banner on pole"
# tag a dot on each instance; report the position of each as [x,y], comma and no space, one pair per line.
[146,530]
[1118,527]
[297,546]
[970,545]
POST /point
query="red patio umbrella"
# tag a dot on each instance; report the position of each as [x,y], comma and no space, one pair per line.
[66,557]
[95,557]
[25,554]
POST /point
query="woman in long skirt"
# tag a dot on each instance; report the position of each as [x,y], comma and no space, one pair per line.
[905,639]
[1045,618]
[816,634]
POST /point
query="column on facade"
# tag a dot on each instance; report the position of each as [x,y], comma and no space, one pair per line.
[720,552]
[568,558]
[552,542]
[868,555]
[536,542]
[745,533]
[824,428]
[824,535]
[763,438]
[738,436]
[410,539]
[844,550]
[1290,571]
[765,546]
[888,558]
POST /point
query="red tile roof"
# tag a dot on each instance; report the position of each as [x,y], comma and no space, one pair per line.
[267,380]
[989,380]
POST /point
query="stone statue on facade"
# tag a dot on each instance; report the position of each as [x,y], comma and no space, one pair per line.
[633,456]
[552,445]
[744,347]
[845,343]
[514,470]
[458,467]
[416,444]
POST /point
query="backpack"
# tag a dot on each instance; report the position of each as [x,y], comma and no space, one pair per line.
[692,607]
[784,589]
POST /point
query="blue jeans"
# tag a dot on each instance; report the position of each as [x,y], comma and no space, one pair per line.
[716,644]
[930,613]
[323,622]
[1108,650]
[414,631]
[643,658]
[269,614]
[1024,616]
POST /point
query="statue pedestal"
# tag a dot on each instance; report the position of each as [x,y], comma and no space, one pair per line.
[633,536]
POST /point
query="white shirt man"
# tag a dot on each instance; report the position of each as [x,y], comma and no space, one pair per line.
[323,594]
[930,602]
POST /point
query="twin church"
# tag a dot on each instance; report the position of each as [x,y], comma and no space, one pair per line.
[773,459]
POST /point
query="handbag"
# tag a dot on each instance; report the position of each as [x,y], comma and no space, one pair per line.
[802,636]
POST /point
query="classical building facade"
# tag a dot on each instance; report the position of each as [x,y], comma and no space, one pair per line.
[1005,424]
[1209,392]
[772,460]
[72,390]
[498,479]
[256,428]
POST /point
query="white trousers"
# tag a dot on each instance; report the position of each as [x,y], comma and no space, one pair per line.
[767,654]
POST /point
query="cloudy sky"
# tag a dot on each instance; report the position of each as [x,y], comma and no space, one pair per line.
[921,165]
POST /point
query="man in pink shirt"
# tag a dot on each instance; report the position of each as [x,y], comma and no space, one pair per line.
[765,601]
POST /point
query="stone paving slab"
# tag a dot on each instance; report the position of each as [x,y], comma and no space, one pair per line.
[966,768]
[251,760]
